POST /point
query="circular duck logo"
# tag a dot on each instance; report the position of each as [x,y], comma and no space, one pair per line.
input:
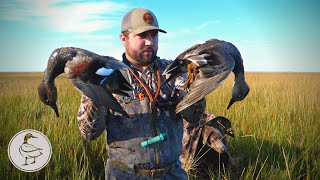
[29,150]
[148,18]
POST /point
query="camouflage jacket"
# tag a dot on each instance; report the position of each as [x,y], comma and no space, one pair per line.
[124,135]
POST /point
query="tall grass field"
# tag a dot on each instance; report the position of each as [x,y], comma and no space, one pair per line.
[277,127]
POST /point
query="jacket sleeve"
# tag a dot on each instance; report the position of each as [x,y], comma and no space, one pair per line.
[91,119]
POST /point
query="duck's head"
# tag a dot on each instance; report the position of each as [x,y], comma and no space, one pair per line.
[48,94]
[239,92]
[29,136]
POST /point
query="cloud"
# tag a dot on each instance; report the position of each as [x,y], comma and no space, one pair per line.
[183,32]
[93,37]
[63,15]
[206,24]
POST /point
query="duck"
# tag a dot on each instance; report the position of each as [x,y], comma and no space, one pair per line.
[29,151]
[207,65]
[95,76]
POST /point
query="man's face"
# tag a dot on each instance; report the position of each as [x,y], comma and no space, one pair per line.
[141,48]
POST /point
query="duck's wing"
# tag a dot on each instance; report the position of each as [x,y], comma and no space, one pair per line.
[81,67]
[99,94]
[85,64]
[195,54]
[218,66]
[95,76]
[179,66]
[27,148]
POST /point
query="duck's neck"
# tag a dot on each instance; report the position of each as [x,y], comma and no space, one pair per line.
[57,61]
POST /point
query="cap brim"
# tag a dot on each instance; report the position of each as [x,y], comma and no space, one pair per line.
[142,29]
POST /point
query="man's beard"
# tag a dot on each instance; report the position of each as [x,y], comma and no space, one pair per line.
[141,57]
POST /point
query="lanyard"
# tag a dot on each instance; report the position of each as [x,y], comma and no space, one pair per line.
[151,98]
[153,123]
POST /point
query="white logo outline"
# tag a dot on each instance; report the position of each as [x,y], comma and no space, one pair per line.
[23,138]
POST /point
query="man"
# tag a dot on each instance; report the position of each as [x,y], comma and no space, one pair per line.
[151,110]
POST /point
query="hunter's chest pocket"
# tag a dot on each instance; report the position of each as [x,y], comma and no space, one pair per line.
[137,106]
[138,111]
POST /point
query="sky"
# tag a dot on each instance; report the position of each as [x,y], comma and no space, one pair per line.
[272,35]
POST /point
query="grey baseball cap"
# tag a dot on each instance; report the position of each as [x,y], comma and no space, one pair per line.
[139,20]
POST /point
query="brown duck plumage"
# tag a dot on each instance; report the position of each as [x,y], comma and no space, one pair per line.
[93,75]
[208,65]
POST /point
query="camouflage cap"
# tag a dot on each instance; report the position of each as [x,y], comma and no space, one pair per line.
[139,20]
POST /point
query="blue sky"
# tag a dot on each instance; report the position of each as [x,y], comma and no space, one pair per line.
[272,35]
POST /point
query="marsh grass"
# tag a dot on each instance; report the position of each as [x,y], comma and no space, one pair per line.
[277,127]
